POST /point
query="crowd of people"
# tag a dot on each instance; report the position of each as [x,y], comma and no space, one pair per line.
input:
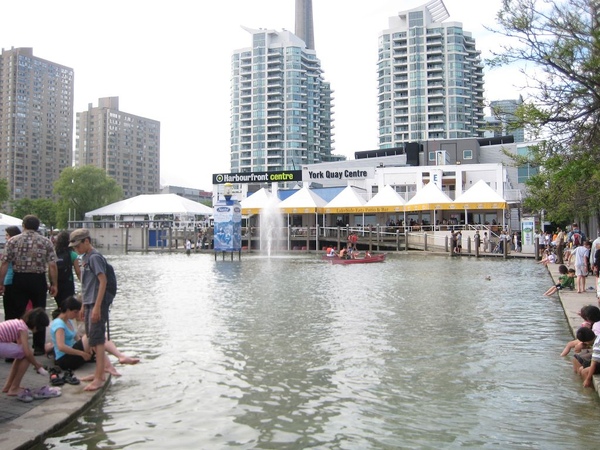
[33,266]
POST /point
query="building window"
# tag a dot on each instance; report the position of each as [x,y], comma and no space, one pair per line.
[467,154]
[431,156]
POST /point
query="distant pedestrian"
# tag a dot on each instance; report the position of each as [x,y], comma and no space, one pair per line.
[32,255]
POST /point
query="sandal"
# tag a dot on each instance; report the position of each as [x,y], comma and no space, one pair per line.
[55,380]
[46,392]
[25,396]
[68,377]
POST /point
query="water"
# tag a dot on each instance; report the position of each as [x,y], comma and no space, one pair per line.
[290,352]
[271,226]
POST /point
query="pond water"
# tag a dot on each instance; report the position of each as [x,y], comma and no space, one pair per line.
[290,352]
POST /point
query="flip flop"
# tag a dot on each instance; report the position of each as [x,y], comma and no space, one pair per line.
[55,380]
[46,392]
[25,396]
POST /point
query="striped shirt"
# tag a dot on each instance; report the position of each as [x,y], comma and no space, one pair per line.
[29,252]
[10,329]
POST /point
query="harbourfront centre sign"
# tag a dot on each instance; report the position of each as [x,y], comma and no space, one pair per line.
[257,177]
[292,175]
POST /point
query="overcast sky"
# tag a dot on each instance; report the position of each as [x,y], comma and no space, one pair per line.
[170,61]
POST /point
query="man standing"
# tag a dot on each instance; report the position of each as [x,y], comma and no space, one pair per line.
[560,245]
[96,300]
[31,254]
[582,255]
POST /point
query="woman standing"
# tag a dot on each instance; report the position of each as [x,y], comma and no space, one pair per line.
[11,311]
[66,262]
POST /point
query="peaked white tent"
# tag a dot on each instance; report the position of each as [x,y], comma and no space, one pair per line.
[386,200]
[7,221]
[429,198]
[151,206]
[303,201]
[480,196]
[347,201]
[259,200]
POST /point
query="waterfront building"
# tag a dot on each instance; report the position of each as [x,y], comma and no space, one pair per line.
[36,123]
[281,105]
[125,145]
[430,78]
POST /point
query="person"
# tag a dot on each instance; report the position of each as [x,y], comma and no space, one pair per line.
[66,261]
[582,255]
[10,311]
[14,343]
[566,280]
[343,253]
[477,240]
[188,246]
[584,313]
[96,300]
[486,242]
[588,373]
[576,237]
[560,245]
[331,252]
[31,254]
[458,242]
[549,257]
[582,356]
[73,351]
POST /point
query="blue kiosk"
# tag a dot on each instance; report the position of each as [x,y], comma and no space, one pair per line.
[228,225]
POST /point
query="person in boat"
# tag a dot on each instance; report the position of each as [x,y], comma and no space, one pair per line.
[331,252]
[343,253]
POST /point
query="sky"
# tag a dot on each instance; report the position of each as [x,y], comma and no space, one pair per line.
[170,61]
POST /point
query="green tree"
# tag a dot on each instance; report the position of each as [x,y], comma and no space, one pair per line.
[43,208]
[83,189]
[558,46]
[4,194]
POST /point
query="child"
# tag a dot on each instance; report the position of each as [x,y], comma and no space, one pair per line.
[582,357]
[14,343]
[565,280]
[585,313]
[587,373]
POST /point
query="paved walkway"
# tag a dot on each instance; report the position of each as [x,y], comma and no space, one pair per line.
[572,303]
[23,425]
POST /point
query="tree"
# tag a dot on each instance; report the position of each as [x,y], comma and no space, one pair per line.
[4,194]
[43,208]
[561,40]
[83,189]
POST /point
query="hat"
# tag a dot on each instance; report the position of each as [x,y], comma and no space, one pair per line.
[78,236]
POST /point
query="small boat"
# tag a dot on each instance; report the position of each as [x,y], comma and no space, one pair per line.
[366,260]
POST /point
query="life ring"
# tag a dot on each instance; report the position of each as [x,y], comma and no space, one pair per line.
[507,214]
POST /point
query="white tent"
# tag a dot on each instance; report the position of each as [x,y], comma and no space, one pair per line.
[479,196]
[429,198]
[152,205]
[6,220]
[302,202]
[386,200]
[259,200]
[347,201]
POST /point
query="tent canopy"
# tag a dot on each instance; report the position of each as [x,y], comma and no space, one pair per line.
[302,202]
[386,200]
[152,205]
[480,196]
[430,197]
[7,221]
[347,201]
[259,200]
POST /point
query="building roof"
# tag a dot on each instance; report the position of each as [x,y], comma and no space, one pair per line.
[345,201]
[258,201]
[386,200]
[152,205]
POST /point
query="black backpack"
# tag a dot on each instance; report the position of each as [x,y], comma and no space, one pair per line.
[111,277]
[64,266]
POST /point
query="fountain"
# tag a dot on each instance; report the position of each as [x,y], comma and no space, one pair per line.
[271,226]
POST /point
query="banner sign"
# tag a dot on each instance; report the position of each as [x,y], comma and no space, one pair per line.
[257,177]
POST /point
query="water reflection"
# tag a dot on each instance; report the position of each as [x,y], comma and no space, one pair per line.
[289,352]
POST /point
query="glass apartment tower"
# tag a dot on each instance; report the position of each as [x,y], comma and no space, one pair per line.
[36,123]
[430,79]
[281,107]
[126,146]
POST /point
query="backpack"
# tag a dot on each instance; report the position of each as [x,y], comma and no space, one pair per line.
[111,278]
[576,238]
